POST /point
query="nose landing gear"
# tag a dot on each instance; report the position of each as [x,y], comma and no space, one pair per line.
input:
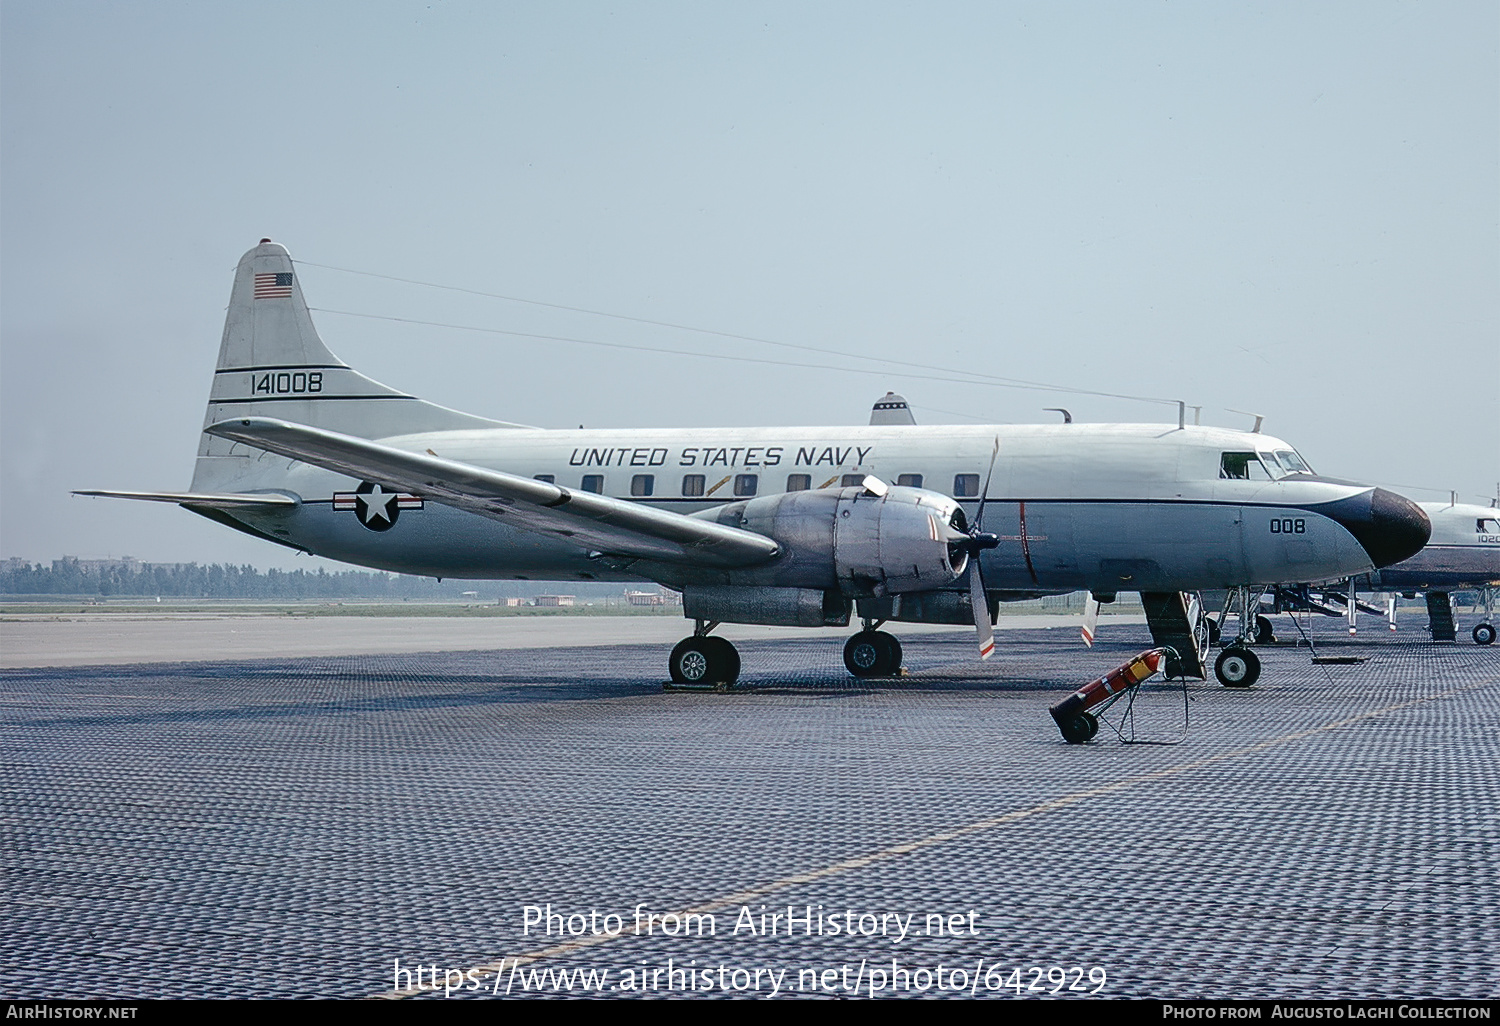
[1237,667]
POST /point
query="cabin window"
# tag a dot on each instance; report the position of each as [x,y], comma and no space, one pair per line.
[852,481]
[1484,526]
[545,477]
[965,486]
[593,483]
[692,485]
[642,484]
[745,484]
[910,480]
[1242,466]
[798,482]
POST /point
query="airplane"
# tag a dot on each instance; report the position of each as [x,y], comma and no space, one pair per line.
[792,526]
[1463,552]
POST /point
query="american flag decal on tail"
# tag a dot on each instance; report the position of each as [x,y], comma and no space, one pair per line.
[273,286]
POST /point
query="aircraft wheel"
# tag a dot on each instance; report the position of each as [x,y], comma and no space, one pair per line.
[1237,667]
[1264,632]
[894,644]
[704,660]
[1080,730]
[1484,634]
[868,654]
[1213,631]
[728,664]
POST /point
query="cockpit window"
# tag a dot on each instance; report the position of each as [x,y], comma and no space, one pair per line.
[1293,463]
[1487,526]
[1243,466]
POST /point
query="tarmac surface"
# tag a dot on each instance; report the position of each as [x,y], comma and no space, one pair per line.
[367,825]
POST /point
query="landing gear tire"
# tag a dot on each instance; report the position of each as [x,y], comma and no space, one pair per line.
[1264,632]
[704,660]
[1237,667]
[872,654]
[1484,634]
[1080,730]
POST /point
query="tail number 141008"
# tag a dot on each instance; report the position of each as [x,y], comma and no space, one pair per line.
[286,383]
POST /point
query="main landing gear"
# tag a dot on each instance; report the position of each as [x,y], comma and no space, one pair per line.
[872,653]
[704,660]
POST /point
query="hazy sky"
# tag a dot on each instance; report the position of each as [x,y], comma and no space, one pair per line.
[1287,209]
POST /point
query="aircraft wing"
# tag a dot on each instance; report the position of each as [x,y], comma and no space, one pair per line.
[608,525]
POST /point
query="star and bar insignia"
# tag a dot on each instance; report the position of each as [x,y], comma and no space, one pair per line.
[375,507]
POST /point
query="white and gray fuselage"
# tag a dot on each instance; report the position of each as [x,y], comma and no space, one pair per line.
[1118,507]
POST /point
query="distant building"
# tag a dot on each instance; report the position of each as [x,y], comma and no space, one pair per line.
[653,598]
[127,563]
[553,600]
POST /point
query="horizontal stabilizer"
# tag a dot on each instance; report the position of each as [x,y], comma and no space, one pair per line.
[611,526]
[213,500]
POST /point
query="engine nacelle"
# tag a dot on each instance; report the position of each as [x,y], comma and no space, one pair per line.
[953,607]
[777,607]
[858,542]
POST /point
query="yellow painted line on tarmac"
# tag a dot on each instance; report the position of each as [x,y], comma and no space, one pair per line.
[728,901]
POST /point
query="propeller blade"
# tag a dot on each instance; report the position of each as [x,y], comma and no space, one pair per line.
[1090,619]
[975,542]
[985,494]
[977,599]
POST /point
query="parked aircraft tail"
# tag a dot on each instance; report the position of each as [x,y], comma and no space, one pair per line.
[273,364]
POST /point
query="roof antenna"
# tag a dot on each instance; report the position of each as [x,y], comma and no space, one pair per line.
[1258,420]
[1067,417]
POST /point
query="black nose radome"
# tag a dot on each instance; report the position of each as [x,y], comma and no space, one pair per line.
[1389,527]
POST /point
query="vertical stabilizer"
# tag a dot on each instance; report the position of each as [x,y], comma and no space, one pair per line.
[273,364]
[891,409]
